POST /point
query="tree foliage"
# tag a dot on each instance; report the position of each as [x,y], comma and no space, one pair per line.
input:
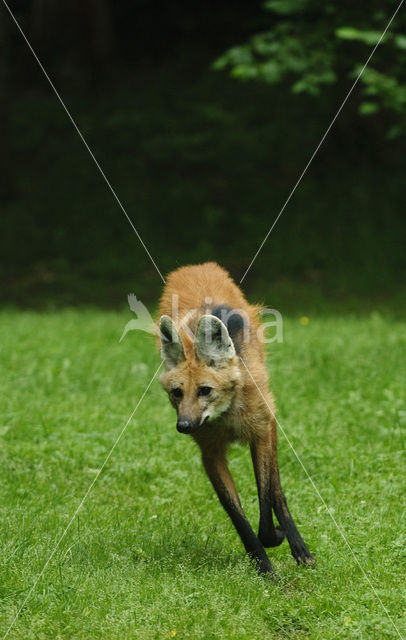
[314,43]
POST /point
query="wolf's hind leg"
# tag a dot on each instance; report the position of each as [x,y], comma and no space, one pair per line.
[297,545]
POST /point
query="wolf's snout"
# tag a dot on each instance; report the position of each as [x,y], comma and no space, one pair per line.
[184,426]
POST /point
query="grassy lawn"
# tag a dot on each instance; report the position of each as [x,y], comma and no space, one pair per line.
[151,553]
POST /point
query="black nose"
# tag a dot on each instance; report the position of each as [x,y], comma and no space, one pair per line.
[184,426]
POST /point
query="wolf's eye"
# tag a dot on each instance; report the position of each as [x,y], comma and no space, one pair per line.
[177,392]
[203,391]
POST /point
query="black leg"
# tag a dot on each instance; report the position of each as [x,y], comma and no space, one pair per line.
[223,483]
[261,452]
[297,545]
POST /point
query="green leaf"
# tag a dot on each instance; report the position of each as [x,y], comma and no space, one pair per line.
[264,45]
[306,85]
[400,41]
[270,71]
[367,108]
[286,7]
[244,72]
[395,131]
[367,37]
[221,63]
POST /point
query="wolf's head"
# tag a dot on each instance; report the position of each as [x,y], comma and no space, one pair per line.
[201,377]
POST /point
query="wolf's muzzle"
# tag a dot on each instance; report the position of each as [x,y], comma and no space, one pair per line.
[188,426]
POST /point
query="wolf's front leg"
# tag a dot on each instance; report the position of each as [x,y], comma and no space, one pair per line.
[263,452]
[216,467]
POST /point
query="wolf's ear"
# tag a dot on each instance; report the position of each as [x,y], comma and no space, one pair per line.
[213,344]
[171,346]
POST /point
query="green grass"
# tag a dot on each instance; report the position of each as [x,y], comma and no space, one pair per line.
[151,552]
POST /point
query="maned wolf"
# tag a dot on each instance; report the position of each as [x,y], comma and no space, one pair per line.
[209,351]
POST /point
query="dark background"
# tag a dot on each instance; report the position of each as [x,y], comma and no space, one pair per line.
[201,162]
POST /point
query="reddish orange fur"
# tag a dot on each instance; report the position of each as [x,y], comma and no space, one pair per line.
[249,416]
[193,284]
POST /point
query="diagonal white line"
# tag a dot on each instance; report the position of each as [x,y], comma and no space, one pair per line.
[81,504]
[117,199]
[339,529]
[322,140]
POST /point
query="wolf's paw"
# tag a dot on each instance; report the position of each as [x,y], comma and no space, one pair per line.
[262,564]
[301,553]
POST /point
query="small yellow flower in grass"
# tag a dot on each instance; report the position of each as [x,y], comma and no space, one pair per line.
[304,320]
[172,633]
